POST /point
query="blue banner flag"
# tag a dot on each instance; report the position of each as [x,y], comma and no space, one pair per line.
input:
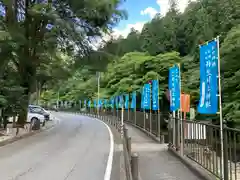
[99,103]
[112,103]
[85,103]
[126,101]
[174,88]
[121,101]
[134,99]
[89,103]
[155,101]
[208,102]
[147,96]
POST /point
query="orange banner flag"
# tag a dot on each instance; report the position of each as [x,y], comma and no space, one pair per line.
[185,102]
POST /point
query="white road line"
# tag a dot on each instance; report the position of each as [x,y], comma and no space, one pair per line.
[108,171]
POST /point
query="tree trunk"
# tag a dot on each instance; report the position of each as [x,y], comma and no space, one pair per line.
[27,85]
[5,122]
[24,111]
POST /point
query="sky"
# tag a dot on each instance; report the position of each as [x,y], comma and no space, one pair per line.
[142,11]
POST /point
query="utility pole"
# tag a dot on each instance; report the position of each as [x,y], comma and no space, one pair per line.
[57,100]
[98,84]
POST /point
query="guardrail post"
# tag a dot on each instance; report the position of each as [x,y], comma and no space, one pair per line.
[125,132]
[134,166]
[129,146]
[225,151]
[176,143]
[162,139]
[113,121]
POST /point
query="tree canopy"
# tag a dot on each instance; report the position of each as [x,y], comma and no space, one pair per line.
[42,42]
[61,60]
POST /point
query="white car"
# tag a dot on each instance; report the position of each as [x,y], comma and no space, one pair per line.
[31,118]
[40,110]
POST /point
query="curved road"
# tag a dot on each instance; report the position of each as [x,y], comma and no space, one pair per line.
[77,148]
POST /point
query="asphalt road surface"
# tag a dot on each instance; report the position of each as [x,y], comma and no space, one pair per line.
[78,148]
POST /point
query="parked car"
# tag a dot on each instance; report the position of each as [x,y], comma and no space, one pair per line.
[40,110]
[32,118]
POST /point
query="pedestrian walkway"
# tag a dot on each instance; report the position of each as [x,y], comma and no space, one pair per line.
[155,162]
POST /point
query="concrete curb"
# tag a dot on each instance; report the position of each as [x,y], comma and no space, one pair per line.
[157,139]
[194,167]
[16,138]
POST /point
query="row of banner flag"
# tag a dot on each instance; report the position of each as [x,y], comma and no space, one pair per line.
[208,101]
[209,84]
[149,99]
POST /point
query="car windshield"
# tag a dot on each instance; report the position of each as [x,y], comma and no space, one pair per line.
[37,110]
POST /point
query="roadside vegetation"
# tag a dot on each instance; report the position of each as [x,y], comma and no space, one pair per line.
[43,42]
[164,41]
[51,50]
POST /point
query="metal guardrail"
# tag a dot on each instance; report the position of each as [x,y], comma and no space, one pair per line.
[200,142]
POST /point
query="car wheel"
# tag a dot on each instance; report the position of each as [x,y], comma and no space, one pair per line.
[35,123]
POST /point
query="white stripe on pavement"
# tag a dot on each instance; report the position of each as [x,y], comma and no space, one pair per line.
[108,171]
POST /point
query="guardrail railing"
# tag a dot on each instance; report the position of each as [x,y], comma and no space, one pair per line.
[198,141]
[130,160]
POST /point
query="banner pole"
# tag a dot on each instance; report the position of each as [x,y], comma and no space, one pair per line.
[181,109]
[98,93]
[135,109]
[158,115]
[80,103]
[174,129]
[220,108]
[122,125]
[150,127]
[128,107]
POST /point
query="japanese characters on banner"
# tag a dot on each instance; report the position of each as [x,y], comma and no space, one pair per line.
[126,101]
[155,102]
[134,99]
[174,87]
[147,96]
[208,102]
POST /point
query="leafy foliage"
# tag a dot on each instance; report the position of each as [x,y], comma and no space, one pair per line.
[42,43]
[167,40]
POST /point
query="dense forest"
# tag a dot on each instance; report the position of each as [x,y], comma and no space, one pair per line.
[164,41]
